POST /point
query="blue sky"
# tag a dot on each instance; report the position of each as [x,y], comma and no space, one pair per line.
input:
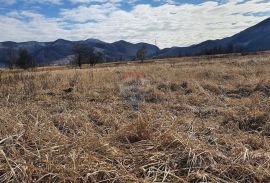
[169,22]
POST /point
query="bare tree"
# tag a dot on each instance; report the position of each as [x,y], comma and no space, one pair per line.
[85,55]
[141,53]
[25,60]
[94,57]
[12,58]
[92,60]
[80,52]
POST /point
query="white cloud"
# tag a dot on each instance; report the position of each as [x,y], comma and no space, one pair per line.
[101,1]
[11,2]
[44,1]
[89,13]
[169,24]
[7,2]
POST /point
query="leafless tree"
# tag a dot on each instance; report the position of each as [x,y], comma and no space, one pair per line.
[94,57]
[85,55]
[80,52]
[141,53]
[25,60]
[12,58]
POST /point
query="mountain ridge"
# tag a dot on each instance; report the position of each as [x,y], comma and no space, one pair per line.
[252,39]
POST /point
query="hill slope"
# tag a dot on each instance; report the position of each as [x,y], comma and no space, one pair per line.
[255,38]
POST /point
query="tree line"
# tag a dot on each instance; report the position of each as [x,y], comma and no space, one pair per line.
[224,50]
[220,49]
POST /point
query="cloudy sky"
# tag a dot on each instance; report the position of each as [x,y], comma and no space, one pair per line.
[169,22]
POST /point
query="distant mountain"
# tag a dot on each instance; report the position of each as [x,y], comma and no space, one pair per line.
[59,51]
[255,38]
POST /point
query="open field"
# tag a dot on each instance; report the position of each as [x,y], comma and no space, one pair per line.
[179,120]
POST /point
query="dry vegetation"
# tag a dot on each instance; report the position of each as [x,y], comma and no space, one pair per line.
[183,120]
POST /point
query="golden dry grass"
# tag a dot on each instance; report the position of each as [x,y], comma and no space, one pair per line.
[181,120]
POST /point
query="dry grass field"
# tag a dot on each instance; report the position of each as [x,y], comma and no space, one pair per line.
[180,120]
